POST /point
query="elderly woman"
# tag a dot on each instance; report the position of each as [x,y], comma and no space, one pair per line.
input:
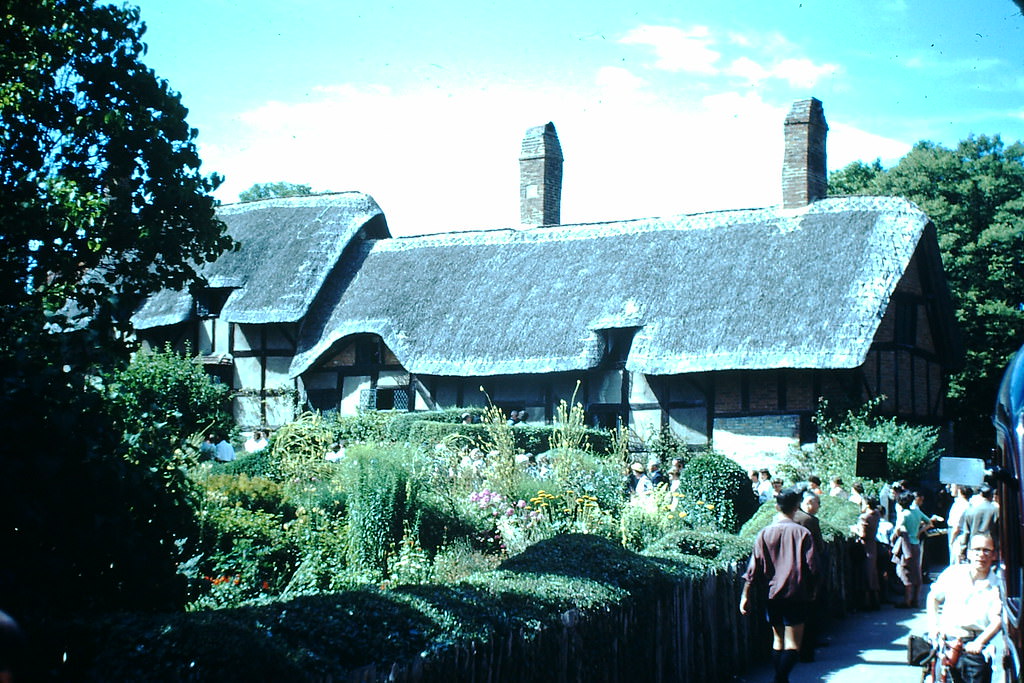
[906,547]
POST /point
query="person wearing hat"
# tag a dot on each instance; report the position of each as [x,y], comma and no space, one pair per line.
[640,485]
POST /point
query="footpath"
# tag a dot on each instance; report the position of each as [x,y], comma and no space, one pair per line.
[862,647]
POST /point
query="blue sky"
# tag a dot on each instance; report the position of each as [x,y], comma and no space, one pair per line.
[662,107]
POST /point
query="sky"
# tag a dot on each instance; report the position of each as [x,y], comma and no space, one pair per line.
[662,107]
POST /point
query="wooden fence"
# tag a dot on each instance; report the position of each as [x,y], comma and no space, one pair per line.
[692,632]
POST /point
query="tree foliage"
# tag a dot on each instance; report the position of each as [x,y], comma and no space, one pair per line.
[101,203]
[975,196]
[273,190]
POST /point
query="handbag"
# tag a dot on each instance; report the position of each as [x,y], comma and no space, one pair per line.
[919,650]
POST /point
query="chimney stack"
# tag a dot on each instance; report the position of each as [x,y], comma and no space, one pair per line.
[804,171]
[540,177]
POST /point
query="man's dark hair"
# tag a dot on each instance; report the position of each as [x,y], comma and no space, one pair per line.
[967,491]
[815,479]
[788,501]
[871,502]
[987,492]
[906,499]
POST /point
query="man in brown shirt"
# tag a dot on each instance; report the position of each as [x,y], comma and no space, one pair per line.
[784,558]
[806,516]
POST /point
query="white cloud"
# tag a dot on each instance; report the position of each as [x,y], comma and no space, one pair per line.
[802,73]
[677,50]
[615,79]
[439,161]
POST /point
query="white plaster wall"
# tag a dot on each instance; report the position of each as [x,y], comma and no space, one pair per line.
[640,389]
[606,387]
[248,373]
[277,372]
[646,423]
[689,425]
[390,379]
[350,394]
[246,410]
[280,411]
[205,337]
[757,442]
[247,337]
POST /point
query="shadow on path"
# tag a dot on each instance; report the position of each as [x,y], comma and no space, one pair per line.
[864,647]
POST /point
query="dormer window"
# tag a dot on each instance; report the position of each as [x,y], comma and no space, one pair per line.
[617,343]
[210,301]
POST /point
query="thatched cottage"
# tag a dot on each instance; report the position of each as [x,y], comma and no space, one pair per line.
[725,327]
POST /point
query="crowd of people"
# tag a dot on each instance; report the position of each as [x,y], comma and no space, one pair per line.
[963,602]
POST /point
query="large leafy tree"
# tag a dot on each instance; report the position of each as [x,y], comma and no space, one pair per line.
[101,202]
[273,190]
[975,196]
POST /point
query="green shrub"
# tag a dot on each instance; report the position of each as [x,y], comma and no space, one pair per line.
[253,493]
[641,526]
[711,479]
[400,426]
[764,516]
[260,464]
[912,449]
[366,426]
[835,516]
[164,387]
[700,552]
[299,448]
[245,553]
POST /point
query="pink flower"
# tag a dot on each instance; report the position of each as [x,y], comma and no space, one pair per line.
[521,504]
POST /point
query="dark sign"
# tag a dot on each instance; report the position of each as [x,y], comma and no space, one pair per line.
[873,459]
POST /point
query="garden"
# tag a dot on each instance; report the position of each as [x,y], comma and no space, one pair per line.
[432,548]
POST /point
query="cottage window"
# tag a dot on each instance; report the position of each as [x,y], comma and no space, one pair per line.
[210,301]
[617,343]
[906,323]
[392,398]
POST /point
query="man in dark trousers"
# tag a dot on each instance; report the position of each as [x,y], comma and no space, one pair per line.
[807,517]
[784,559]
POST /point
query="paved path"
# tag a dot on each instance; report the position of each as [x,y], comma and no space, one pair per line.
[863,647]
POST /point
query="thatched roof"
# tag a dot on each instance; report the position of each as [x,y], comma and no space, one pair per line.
[758,289]
[288,248]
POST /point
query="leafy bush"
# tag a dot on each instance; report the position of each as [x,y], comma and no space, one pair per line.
[400,426]
[261,464]
[701,551]
[713,479]
[641,526]
[912,449]
[366,426]
[164,387]
[299,448]
[253,493]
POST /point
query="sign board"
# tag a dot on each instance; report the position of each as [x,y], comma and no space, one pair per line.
[873,459]
[963,471]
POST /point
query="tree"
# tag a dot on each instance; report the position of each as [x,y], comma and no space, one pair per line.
[101,203]
[975,196]
[273,190]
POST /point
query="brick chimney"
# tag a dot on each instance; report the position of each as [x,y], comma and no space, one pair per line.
[804,171]
[540,177]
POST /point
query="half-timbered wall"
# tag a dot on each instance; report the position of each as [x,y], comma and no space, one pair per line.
[903,365]
[359,372]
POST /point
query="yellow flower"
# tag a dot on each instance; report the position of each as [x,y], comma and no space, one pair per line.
[709,506]
[682,514]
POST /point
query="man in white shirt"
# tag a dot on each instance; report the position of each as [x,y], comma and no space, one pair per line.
[965,603]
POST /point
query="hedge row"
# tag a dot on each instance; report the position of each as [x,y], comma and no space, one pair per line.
[330,636]
[528,439]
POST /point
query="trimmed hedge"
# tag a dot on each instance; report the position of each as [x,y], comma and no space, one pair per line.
[326,636]
[527,438]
